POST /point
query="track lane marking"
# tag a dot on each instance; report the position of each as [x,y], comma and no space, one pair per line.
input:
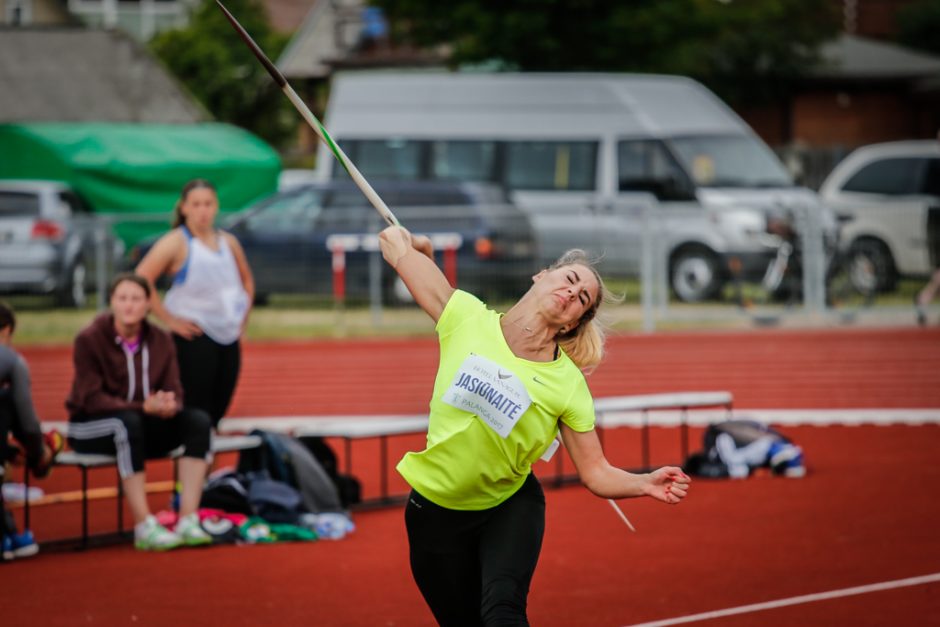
[806,598]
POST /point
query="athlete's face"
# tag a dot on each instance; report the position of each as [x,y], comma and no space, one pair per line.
[566,293]
[129,303]
[199,208]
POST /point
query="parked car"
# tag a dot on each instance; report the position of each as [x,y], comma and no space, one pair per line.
[884,193]
[48,241]
[286,237]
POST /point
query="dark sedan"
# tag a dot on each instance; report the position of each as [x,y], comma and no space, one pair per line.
[289,238]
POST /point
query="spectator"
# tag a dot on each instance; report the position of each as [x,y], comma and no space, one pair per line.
[18,418]
[208,303]
[507,385]
[925,295]
[127,400]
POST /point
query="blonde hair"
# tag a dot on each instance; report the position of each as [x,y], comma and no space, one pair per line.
[178,217]
[584,344]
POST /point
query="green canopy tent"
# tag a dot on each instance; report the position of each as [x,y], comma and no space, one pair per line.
[127,171]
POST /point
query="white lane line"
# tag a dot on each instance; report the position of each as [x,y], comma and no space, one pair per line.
[806,598]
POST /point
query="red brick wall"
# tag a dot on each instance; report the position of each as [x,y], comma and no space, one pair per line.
[873,18]
[847,118]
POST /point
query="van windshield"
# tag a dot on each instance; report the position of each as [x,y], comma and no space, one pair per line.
[729,161]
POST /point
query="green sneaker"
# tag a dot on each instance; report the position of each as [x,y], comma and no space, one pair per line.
[152,536]
[190,533]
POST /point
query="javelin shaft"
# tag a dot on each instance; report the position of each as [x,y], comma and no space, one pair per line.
[314,123]
[623,516]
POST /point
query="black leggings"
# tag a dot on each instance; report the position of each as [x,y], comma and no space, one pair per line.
[133,436]
[474,567]
[209,372]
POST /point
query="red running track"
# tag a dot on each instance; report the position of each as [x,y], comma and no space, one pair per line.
[865,514]
[863,368]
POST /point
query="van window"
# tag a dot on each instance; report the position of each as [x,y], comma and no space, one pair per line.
[729,161]
[388,159]
[891,177]
[463,160]
[646,166]
[932,177]
[551,165]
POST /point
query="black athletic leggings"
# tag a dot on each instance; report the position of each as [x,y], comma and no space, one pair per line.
[474,567]
[209,372]
[133,436]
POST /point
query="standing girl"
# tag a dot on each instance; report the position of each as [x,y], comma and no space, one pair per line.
[208,302]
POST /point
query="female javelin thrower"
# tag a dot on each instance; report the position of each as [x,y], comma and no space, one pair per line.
[506,384]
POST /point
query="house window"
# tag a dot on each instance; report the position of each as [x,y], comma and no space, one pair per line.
[19,12]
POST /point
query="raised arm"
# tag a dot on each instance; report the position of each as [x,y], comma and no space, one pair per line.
[668,484]
[413,260]
[158,261]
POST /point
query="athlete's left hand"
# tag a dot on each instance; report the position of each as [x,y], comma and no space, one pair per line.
[668,484]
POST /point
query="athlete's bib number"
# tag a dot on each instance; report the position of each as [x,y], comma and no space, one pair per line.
[496,395]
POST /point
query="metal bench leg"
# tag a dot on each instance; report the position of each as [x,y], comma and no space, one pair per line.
[26,497]
[684,434]
[347,445]
[645,440]
[383,467]
[84,507]
[120,504]
[176,496]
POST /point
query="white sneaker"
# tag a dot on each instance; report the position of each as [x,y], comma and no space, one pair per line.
[152,536]
[190,533]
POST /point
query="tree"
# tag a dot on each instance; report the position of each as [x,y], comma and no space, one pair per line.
[919,26]
[747,51]
[212,61]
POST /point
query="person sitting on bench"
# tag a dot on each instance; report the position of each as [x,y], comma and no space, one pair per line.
[127,401]
[18,418]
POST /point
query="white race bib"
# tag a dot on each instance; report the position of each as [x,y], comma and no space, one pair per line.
[496,395]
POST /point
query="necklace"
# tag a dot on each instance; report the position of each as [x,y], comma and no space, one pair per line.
[518,324]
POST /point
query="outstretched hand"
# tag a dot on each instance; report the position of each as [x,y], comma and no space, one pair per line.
[668,484]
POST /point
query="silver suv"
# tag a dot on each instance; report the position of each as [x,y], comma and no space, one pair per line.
[884,194]
[48,241]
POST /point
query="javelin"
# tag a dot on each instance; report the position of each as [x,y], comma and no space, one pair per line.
[622,515]
[299,104]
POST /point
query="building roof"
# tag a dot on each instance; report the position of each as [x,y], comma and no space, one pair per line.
[80,75]
[286,16]
[333,36]
[854,57]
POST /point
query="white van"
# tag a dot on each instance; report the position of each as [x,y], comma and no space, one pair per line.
[584,154]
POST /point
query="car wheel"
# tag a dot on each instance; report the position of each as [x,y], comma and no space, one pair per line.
[72,293]
[694,275]
[871,260]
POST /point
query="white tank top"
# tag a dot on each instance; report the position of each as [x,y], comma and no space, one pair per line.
[208,290]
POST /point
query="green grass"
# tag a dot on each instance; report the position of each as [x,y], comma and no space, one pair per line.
[304,316]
